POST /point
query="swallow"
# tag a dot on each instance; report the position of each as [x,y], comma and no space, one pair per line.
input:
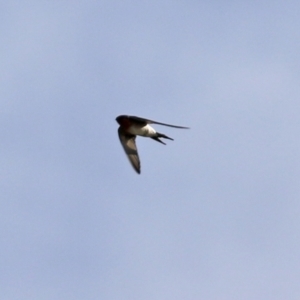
[130,127]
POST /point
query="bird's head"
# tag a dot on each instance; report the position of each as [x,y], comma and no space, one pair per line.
[120,119]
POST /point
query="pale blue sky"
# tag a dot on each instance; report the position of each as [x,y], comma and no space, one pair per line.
[214,214]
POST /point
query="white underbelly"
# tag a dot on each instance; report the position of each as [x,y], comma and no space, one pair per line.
[146,130]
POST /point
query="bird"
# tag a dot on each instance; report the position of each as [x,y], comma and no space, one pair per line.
[130,127]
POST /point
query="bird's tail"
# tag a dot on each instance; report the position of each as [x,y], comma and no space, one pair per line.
[160,135]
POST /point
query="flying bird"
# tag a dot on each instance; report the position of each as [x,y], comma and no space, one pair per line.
[130,127]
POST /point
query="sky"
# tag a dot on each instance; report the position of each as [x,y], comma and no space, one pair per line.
[214,214]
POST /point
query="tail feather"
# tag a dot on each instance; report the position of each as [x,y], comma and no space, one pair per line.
[160,135]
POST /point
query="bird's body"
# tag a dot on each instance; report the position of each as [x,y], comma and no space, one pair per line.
[146,130]
[130,127]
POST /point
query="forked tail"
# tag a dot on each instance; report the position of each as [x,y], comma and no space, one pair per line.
[160,135]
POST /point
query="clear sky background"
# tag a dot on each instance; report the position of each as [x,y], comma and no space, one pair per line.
[215,214]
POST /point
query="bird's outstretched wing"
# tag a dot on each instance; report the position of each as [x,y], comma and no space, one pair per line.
[147,121]
[128,143]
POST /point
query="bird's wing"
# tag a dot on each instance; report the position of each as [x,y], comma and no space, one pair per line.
[128,143]
[147,121]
